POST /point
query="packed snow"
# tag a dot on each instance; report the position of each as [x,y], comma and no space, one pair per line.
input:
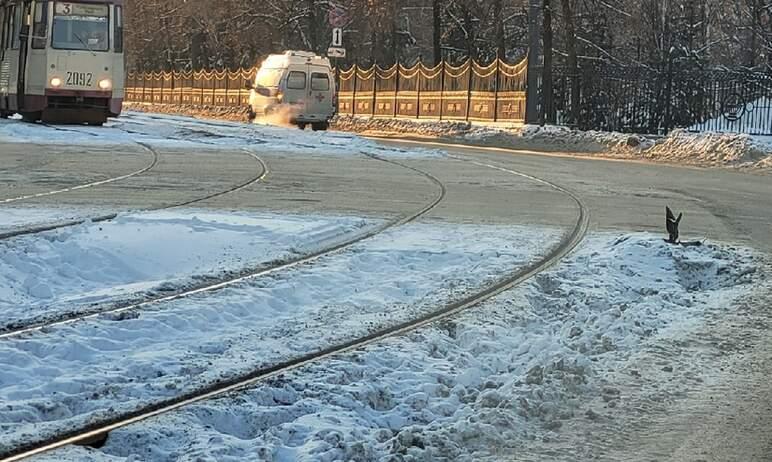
[17,218]
[679,147]
[504,380]
[68,375]
[67,269]
[186,132]
[752,118]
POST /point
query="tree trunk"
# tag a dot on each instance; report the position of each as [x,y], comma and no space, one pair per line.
[312,26]
[547,114]
[534,53]
[498,16]
[571,61]
[469,26]
[437,31]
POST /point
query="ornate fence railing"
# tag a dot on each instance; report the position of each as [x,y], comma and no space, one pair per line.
[471,91]
[598,97]
[195,88]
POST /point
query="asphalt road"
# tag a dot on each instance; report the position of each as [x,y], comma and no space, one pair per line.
[721,205]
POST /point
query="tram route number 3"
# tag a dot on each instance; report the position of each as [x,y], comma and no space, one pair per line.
[80,79]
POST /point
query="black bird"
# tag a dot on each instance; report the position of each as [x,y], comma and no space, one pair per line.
[671,222]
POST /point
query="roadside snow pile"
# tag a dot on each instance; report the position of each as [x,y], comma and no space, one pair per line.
[231,113]
[680,147]
[377,126]
[547,138]
[138,252]
[494,383]
[710,149]
[66,376]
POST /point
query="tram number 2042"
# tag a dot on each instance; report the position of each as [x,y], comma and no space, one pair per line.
[80,79]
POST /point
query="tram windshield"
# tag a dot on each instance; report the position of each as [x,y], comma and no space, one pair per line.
[80,26]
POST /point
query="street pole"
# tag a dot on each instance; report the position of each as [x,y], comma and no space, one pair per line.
[534,57]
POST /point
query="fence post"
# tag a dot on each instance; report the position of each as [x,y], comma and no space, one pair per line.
[375,89]
[143,86]
[469,88]
[418,90]
[214,88]
[442,87]
[354,94]
[496,89]
[202,86]
[396,90]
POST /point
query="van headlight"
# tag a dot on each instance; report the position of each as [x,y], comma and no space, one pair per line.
[56,82]
[105,84]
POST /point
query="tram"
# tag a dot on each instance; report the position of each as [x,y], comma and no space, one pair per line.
[61,61]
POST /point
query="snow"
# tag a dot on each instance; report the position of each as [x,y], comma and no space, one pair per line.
[186,132]
[62,270]
[679,147]
[506,379]
[754,118]
[16,218]
[66,376]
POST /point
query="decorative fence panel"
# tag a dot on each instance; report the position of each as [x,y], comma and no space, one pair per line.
[471,91]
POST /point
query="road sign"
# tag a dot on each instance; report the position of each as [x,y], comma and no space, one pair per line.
[337,37]
[335,52]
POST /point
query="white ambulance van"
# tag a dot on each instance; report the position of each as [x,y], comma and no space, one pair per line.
[297,85]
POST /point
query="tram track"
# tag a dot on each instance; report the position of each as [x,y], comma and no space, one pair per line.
[17,329]
[92,184]
[96,432]
[257,177]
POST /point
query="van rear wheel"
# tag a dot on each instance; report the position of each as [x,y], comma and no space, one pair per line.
[302,125]
[320,126]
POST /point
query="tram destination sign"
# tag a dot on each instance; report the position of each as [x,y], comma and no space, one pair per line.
[81,9]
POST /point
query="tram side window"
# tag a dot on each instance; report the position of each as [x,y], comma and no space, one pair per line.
[3,28]
[118,29]
[16,18]
[10,33]
[40,25]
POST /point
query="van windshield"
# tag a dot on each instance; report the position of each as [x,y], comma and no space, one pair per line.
[269,77]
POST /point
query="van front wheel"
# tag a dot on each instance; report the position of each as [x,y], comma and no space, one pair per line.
[321,126]
[302,125]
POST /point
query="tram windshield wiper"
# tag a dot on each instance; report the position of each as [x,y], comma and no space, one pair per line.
[85,44]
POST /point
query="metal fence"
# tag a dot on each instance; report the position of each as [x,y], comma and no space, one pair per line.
[643,100]
[602,97]
[495,92]
[201,88]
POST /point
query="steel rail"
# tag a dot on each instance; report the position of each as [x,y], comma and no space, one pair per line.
[12,331]
[98,431]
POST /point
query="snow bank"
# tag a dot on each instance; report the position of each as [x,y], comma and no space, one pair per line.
[680,147]
[710,149]
[170,131]
[230,113]
[501,381]
[66,376]
[61,270]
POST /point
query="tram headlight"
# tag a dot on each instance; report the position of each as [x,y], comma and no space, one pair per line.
[105,84]
[279,97]
[56,82]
